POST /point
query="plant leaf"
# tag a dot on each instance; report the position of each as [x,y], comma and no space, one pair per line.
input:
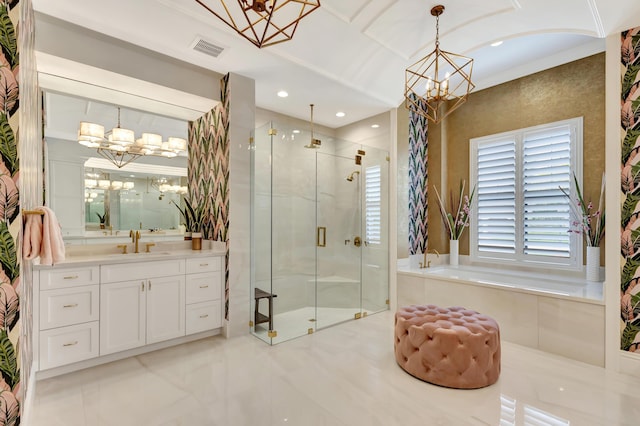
[8,257]
[8,40]
[629,144]
[8,362]
[628,273]
[628,336]
[8,147]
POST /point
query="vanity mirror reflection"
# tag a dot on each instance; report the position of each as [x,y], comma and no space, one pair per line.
[93,196]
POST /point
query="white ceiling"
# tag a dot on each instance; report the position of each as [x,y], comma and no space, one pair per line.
[350,55]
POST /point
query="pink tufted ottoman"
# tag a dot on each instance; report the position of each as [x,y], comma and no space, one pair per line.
[453,347]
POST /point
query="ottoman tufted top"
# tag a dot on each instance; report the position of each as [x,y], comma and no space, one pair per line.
[453,347]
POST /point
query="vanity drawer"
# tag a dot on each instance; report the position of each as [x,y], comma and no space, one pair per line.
[69,277]
[204,264]
[203,287]
[203,316]
[66,345]
[69,306]
[141,270]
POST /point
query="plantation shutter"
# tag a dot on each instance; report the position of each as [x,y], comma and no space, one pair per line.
[546,167]
[496,189]
[373,204]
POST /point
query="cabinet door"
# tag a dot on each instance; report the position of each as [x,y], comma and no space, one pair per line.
[165,308]
[122,316]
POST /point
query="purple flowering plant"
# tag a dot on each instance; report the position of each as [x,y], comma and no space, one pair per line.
[461,205]
[586,221]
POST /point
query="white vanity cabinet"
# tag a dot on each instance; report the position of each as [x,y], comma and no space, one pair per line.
[204,294]
[148,307]
[108,309]
[68,312]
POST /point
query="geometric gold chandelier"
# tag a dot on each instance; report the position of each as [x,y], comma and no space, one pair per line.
[121,147]
[440,82]
[262,22]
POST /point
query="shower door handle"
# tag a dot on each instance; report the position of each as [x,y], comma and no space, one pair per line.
[321,236]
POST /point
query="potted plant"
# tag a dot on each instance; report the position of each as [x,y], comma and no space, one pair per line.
[193,218]
[590,224]
[455,225]
[103,219]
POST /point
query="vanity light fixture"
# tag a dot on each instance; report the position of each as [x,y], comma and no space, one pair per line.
[262,22]
[440,79]
[120,146]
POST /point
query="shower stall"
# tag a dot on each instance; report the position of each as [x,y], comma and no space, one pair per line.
[319,218]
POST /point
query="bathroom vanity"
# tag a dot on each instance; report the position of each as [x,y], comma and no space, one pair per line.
[99,307]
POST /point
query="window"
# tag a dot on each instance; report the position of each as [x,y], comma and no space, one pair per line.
[373,204]
[521,213]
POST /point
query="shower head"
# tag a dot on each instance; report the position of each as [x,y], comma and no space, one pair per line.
[314,143]
[352,175]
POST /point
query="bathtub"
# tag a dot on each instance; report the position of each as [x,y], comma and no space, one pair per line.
[558,314]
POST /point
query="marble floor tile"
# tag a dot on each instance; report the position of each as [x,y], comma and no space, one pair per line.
[343,375]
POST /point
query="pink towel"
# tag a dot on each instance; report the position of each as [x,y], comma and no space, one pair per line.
[52,246]
[32,238]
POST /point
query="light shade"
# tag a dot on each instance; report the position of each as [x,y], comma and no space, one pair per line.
[151,141]
[104,183]
[128,185]
[90,183]
[90,134]
[176,144]
[262,22]
[121,136]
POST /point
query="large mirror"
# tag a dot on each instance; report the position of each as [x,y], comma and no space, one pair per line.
[93,195]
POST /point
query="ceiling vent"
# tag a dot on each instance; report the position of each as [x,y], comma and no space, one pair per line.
[208,48]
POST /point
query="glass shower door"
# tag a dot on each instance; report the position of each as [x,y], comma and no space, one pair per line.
[338,239]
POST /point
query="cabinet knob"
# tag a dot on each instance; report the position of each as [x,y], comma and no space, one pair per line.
[204,316]
[142,286]
[70,277]
[204,264]
[73,305]
[204,286]
[70,344]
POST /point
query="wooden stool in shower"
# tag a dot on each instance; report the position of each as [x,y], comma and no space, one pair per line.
[259,318]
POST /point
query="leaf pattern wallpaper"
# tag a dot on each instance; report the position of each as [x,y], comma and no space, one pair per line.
[630,187]
[9,212]
[208,172]
[418,180]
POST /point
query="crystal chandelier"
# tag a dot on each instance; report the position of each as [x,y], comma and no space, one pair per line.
[437,79]
[262,22]
[120,146]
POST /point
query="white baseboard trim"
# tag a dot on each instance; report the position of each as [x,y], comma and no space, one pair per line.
[29,399]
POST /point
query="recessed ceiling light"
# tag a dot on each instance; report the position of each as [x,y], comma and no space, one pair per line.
[340,114]
[283,94]
[496,44]
[296,131]
[375,126]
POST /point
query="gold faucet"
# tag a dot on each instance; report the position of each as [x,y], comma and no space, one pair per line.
[135,237]
[427,263]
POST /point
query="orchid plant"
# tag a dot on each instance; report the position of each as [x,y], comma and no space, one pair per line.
[587,222]
[461,206]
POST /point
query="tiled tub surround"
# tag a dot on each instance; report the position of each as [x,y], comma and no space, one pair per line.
[560,315]
[100,305]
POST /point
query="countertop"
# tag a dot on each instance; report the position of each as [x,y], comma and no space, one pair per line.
[109,254]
